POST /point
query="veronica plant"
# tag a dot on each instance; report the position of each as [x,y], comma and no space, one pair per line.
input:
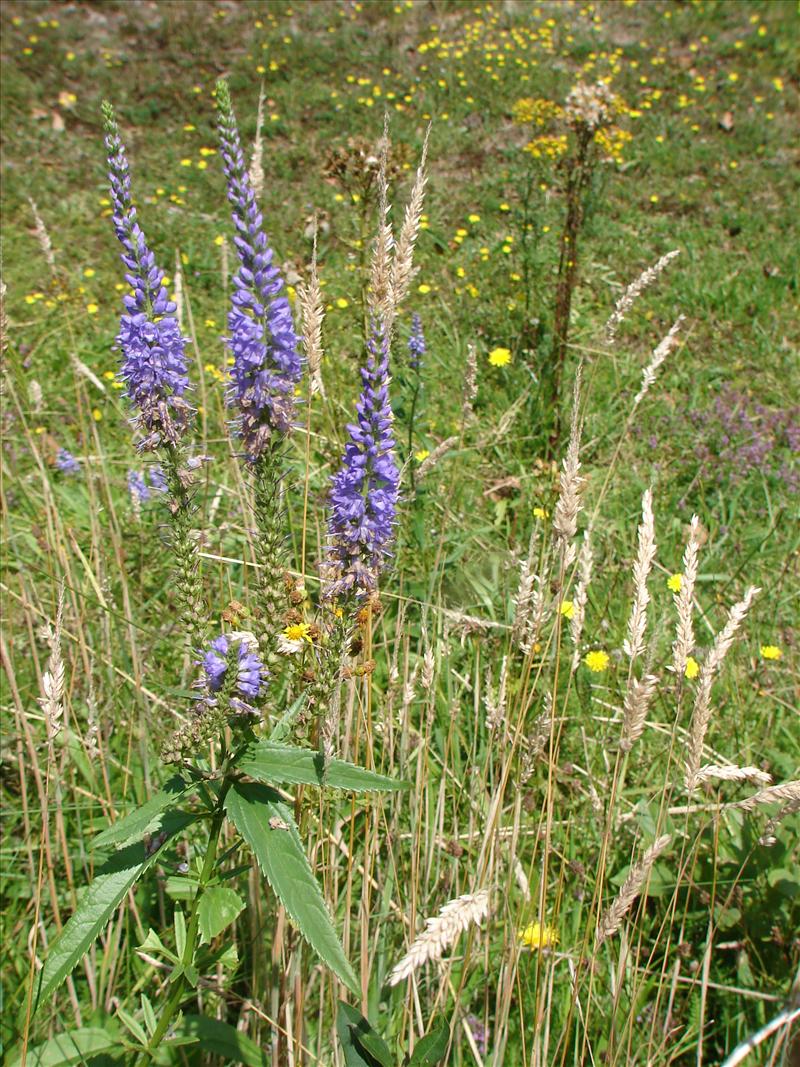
[266,362]
[230,760]
[154,369]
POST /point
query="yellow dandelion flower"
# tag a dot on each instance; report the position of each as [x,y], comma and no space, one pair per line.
[92,309]
[423,288]
[536,936]
[539,513]
[342,302]
[500,357]
[97,414]
[770,652]
[674,583]
[422,455]
[597,661]
[219,239]
[692,668]
[567,609]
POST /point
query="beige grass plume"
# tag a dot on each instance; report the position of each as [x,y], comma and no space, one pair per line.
[565,516]
[256,172]
[43,237]
[612,918]
[178,290]
[432,460]
[633,292]
[441,931]
[660,353]
[683,645]
[713,772]
[381,293]
[470,385]
[403,269]
[701,713]
[581,596]
[784,793]
[53,678]
[634,644]
[309,297]
[634,711]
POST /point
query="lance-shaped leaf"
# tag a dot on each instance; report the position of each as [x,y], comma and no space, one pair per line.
[267,761]
[221,1039]
[73,1047]
[143,820]
[98,903]
[362,1046]
[432,1048]
[268,827]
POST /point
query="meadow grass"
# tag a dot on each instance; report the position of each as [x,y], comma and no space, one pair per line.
[605,874]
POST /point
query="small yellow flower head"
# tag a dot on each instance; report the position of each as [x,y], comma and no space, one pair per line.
[291,640]
[770,652]
[342,302]
[536,936]
[500,357]
[674,583]
[692,668]
[597,661]
[422,455]
[540,513]
[567,609]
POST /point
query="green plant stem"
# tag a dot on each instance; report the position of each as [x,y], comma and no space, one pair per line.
[179,987]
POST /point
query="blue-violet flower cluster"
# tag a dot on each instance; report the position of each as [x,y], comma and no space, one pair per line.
[250,671]
[416,344]
[67,463]
[365,490]
[153,359]
[263,341]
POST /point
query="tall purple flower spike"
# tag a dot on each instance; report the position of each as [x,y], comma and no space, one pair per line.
[416,343]
[364,492]
[267,365]
[153,365]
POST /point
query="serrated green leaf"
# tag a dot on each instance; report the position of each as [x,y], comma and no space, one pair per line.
[221,1039]
[268,827]
[269,762]
[361,1045]
[143,820]
[74,1047]
[112,881]
[432,1048]
[219,907]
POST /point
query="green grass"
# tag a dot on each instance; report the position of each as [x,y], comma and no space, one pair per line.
[710,171]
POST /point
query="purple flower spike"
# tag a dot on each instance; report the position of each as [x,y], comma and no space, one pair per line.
[153,361]
[365,490]
[263,342]
[416,344]
[250,675]
[137,487]
[67,463]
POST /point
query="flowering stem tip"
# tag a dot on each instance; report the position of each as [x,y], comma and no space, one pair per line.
[266,362]
[154,364]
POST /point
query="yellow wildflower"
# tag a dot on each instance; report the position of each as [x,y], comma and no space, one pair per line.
[500,357]
[597,661]
[567,609]
[536,936]
[422,455]
[770,652]
[692,668]
[674,583]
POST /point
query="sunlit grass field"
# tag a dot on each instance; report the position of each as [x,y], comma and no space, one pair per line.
[520,788]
